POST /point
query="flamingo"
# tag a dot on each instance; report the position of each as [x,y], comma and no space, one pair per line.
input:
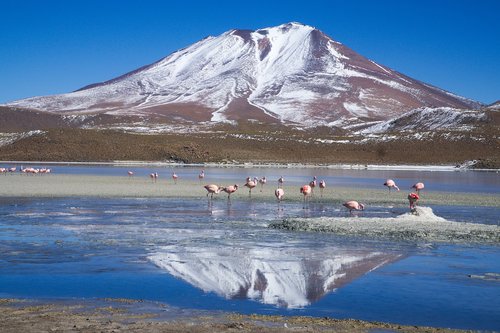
[262,182]
[130,173]
[281,180]
[3,170]
[413,198]
[322,186]
[201,175]
[153,176]
[418,187]
[279,193]
[13,169]
[229,190]
[306,191]
[174,177]
[250,184]
[212,189]
[391,184]
[313,183]
[353,205]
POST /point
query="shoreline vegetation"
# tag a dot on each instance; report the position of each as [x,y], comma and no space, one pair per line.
[253,143]
[127,315]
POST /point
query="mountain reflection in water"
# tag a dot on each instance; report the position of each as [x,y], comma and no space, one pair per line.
[285,278]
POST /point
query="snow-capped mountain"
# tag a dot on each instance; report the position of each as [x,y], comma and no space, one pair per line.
[430,119]
[284,278]
[288,73]
[494,106]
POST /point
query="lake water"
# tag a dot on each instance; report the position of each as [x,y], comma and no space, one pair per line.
[197,254]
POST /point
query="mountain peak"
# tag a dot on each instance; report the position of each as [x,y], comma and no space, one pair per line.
[291,73]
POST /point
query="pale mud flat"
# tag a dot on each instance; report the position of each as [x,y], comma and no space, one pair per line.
[120,315]
[421,225]
[54,185]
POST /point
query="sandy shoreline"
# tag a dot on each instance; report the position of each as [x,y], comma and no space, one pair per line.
[345,166]
[122,315]
[57,186]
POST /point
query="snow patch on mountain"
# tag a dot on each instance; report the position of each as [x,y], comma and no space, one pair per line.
[428,119]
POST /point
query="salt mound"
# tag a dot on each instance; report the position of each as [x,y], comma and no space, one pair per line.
[421,224]
[425,214]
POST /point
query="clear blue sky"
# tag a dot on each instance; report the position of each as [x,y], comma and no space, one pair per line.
[49,47]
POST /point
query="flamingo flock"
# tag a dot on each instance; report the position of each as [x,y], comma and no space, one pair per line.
[27,171]
[306,190]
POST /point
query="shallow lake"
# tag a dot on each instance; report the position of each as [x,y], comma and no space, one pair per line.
[200,254]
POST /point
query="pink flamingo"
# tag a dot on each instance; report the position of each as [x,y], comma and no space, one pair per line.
[353,205]
[281,180]
[229,190]
[174,177]
[262,182]
[313,183]
[391,184]
[322,186]
[153,176]
[250,184]
[306,191]
[130,173]
[201,176]
[413,198]
[212,189]
[13,169]
[418,187]
[3,170]
[279,193]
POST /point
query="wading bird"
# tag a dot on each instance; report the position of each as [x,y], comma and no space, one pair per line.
[250,184]
[418,187]
[353,205]
[153,176]
[229,190]
[306,191]
[313,183]
[201,175]
[130,173]
[412,199]
[322,186]
[262,182]
[212,189]
[174,177]
[279,193]
[281,180]
[391,184]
